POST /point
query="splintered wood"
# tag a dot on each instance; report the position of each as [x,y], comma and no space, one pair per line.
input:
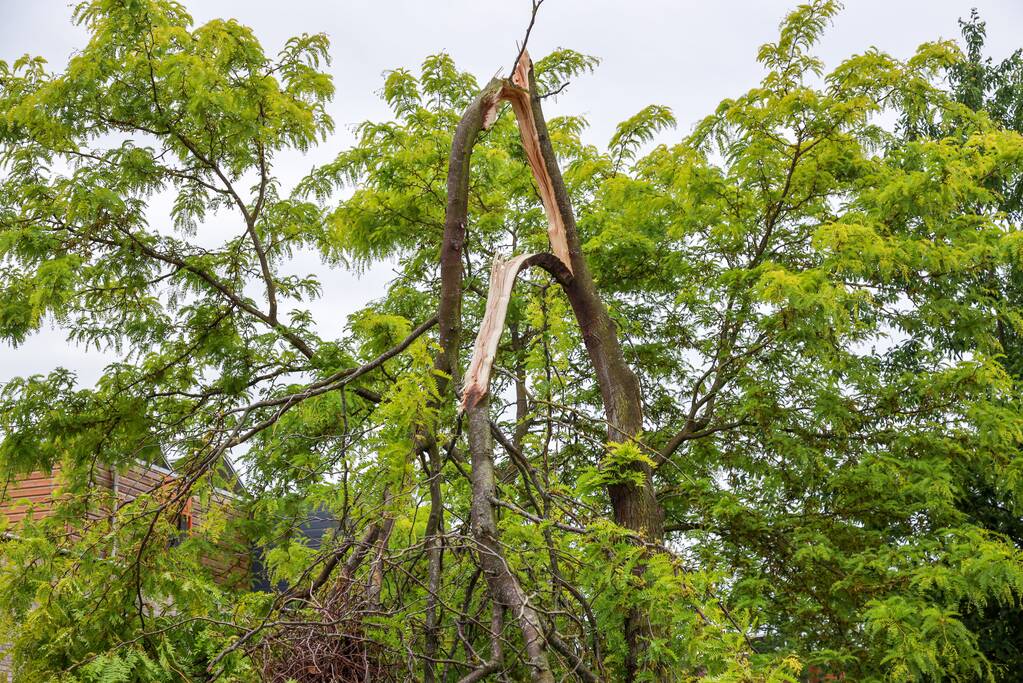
[502,280]
[504,272]
[517,92]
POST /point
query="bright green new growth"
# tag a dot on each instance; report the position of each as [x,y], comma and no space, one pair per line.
[820,307]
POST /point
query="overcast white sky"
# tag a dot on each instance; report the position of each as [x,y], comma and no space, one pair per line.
[686,54]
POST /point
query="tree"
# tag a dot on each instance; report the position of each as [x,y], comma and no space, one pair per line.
[997,90]
[740,394]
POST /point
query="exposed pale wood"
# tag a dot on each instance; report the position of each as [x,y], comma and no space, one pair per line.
[517,92]
[502,280]
[502,583]
[503,273]
[634,503]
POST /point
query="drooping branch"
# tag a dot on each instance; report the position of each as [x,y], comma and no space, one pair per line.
[478,116]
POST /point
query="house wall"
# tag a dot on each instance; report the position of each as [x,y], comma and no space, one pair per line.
[33,491]
[36,493]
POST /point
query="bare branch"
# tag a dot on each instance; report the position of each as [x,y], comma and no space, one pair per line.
[529,29]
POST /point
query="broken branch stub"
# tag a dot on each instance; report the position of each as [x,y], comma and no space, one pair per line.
[517,92]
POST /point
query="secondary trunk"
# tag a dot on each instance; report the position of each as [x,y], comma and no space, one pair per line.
[504,587]
[503,584]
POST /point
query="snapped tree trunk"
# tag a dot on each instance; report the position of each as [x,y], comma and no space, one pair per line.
[504,587]
[635,505]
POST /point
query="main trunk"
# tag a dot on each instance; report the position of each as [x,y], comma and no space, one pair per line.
[635,506]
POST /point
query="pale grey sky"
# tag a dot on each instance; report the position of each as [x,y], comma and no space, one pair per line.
[686,54]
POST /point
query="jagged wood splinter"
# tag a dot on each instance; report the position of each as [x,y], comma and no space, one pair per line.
[504,271]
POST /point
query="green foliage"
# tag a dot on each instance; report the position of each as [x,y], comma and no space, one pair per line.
[822,309]
[637,130]
[554,71]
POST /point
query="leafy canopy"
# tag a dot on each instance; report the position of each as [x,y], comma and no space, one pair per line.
[815,302]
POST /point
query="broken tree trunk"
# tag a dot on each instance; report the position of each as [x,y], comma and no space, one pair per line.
[518,93]
[635,504]
[503,585]
[502,282]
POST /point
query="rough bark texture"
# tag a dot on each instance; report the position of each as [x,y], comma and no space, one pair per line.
[435,550]
[478,116]
[493,665]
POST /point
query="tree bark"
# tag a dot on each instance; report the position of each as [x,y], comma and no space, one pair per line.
[503,585]
[435,555]
[477,117]
[635,507]
[493,665]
